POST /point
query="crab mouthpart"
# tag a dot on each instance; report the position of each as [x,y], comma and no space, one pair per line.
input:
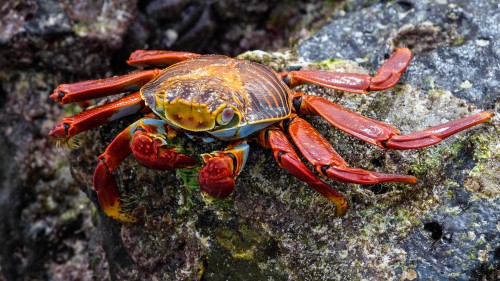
[188,116]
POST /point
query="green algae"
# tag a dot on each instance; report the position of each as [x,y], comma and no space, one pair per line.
[483,179]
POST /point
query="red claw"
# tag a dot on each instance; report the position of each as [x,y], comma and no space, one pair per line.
[153,154]
[216,178]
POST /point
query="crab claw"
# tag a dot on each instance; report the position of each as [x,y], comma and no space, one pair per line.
[216,178]
[154,154]
[108,195]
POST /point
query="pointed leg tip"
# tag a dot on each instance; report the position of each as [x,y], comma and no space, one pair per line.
[126,218]
[403,50]
[488,115]
[402,55]
[383,177]
[59,93]
[112,207]
[341,209]
[118,214]
[411,179]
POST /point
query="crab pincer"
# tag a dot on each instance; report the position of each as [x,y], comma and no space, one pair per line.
[217,176]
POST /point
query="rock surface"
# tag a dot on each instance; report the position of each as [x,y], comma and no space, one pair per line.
[273,227]
[456,51]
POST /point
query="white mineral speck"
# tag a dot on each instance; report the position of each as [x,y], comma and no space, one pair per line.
[482,42]
[171,35]
[466,85]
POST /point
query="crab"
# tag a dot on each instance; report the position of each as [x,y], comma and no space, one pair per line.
[214,97]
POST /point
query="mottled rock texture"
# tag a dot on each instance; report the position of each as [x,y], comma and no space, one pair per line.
[273,227]
[456,51]
[49,229]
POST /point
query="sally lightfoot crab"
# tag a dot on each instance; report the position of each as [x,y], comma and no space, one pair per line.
[212,97]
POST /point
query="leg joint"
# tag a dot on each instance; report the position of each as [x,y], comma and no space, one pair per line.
[323,169]
[297,102]
[287,80]
[235,161]
[139,128]
[280,153]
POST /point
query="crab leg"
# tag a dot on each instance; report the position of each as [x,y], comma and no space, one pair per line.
[157,58]
[379,133]
[320,153]
[86,90]
[216,178]
[146,139]
[91,118]
[285,156]
[386,77]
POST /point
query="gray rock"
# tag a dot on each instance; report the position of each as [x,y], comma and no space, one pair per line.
[456,50]
[455,43]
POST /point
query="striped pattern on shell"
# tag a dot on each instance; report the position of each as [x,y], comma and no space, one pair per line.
[255,90]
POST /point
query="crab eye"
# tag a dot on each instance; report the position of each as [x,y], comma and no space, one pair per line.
[225,116]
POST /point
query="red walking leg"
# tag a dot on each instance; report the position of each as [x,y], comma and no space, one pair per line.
[147,140]
[379,133]
[387,76]
[86,90]
[105,185]
[94,117]
[157,58]
[285,156]
[320,153]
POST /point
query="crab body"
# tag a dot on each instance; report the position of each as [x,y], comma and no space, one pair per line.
[225,97]
[213,97]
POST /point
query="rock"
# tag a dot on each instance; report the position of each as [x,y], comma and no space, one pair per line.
[455,54]
[453,42]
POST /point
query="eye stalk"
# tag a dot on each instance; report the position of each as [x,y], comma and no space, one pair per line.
[225,116]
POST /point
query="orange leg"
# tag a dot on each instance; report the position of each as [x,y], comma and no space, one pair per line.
[386,77]
[157,58]
[379,133]
[286,158]
[320,153]
[91,118]
[146,139]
